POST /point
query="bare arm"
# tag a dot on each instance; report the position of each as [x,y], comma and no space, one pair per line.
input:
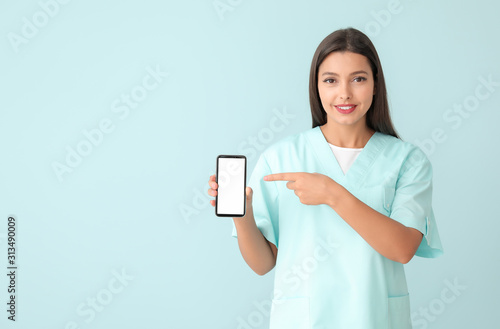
[257,252]
[386,235]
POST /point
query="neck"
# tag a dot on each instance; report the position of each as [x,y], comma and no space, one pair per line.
[347,136]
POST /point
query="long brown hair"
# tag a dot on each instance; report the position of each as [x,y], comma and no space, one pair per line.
[355,41]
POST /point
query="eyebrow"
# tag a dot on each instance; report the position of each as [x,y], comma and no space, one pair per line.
[353,73]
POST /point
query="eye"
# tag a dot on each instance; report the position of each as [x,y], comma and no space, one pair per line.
[359,79]
[329,80]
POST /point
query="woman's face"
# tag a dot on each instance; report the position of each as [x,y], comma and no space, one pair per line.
[346,88]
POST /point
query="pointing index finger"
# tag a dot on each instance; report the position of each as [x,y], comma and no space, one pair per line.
[289,176]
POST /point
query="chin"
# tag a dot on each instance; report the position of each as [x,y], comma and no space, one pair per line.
[346,121]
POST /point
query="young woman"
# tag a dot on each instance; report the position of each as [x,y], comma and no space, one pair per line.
[346,203]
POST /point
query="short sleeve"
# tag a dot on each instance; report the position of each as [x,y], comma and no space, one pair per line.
[412,205]
[264,202]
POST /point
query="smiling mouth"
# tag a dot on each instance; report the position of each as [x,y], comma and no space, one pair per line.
[345,109]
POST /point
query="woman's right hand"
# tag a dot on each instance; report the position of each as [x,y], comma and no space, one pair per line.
[212,191]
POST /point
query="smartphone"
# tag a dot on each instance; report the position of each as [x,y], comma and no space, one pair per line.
[230,177]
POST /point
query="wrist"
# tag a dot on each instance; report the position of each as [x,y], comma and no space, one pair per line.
[337,194]
[248,216]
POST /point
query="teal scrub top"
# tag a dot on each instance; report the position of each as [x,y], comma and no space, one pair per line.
[326,275]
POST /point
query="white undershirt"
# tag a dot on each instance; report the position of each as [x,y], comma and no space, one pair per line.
[345,156]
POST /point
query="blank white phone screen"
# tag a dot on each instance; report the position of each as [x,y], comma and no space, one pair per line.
[231,189]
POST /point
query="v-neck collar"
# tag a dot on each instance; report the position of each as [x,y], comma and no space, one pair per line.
[361,165]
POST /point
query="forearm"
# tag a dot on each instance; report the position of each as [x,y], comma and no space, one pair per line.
[387,236]
[253,245]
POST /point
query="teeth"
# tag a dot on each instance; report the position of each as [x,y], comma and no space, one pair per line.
[345,107]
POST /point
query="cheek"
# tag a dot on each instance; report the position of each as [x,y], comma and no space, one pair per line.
[366,94]
[324,96]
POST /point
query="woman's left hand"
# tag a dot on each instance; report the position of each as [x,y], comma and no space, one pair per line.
[311,188]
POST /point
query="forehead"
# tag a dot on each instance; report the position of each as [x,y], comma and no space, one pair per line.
[344,62]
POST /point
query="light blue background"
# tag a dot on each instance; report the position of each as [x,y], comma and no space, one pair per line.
[138,203]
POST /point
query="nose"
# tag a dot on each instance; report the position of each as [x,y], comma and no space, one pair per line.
[345,92]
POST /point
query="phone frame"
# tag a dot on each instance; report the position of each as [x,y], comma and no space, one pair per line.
[244,185]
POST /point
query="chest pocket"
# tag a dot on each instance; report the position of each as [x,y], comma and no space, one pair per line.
[379,198]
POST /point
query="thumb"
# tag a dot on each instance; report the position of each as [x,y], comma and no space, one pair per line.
[249,193]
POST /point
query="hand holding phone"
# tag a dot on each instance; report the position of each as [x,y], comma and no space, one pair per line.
[230,200]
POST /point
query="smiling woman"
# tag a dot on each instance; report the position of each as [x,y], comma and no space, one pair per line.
[352,48]
[351,181]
